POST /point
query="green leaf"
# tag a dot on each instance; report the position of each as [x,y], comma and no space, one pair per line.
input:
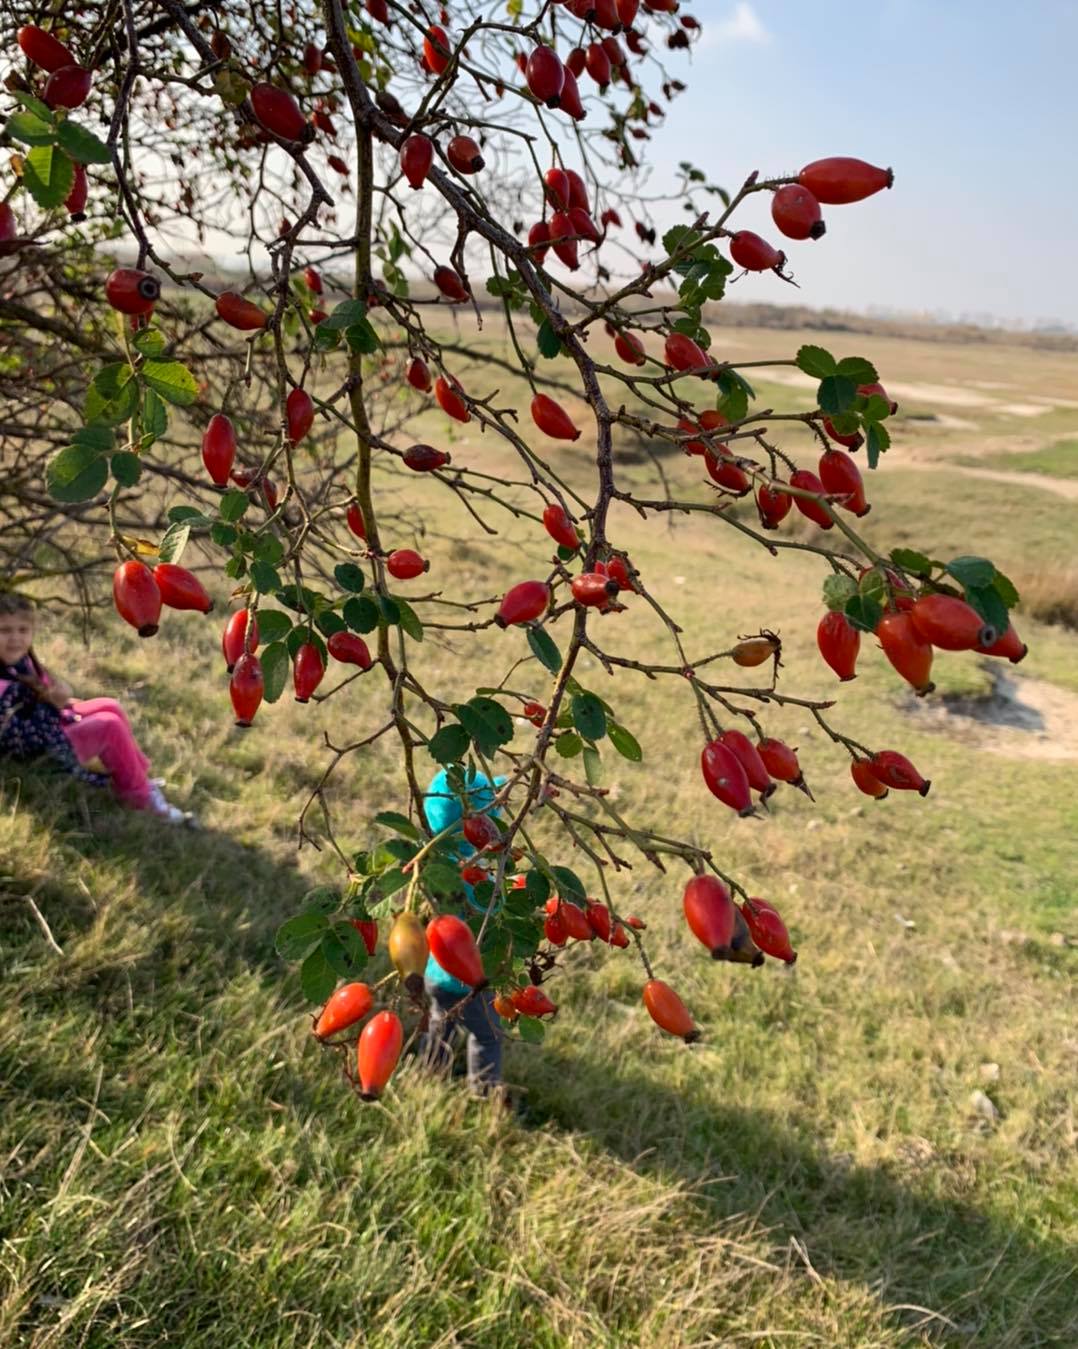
[487,722]
[1005,589]
[734,396]
[409,619]
[449,744]
[344,315]
[569,884]
[299,935]
[400,824]
[917,564]
[126,468]
[76,473]
[972,571]
[223,535]
[154,418]
[863,612]
[536,888]
[388,609]
[680,238]
[836,394]
[27,127]
[815,361]
[267,548]
[441,878]
[532,1030]
[329,622]
[350,956]
[48,175]
[588,716]
[172,380]
[857,368]
[273,626]
[361,614]
[264,578]
[624,742]
[349,577]
[149,341]
[547,340]
[877,439]
[81,144]
[317,976]
[112,396]
[233,504]
[275,668]
[544,649]
[323,899]
[838,590]
[872,585]
[325,339]
[875,408]
[986,600]
[173,542]
[568,745]
[361,338]
[33,104]
[593,765]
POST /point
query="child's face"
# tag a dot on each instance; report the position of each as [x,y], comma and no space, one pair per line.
[16,636]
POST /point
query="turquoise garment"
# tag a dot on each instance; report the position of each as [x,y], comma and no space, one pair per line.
[444,808]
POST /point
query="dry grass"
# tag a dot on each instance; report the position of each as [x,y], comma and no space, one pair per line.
[1050,595]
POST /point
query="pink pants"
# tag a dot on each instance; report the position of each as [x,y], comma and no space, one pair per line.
[103,732]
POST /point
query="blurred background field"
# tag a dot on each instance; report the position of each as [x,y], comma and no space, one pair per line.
[874,1148]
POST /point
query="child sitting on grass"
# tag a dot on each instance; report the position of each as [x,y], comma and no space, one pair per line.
[40,717]
[450,1004]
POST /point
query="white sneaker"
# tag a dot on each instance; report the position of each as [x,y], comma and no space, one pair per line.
[162,809]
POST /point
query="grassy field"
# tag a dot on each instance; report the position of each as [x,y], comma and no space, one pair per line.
[1058,460]
[875,1148]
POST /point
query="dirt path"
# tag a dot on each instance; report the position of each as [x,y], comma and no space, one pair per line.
[1024,718]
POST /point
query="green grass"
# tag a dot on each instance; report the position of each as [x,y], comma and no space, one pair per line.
[1058,460]
[182,1165]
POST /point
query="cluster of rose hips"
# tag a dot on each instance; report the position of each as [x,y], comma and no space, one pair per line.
[742,934]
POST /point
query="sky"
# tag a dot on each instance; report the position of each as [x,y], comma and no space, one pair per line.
[973,103]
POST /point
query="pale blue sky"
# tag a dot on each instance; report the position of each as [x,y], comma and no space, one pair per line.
[974,105]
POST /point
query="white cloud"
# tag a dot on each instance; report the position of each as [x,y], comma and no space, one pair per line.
[743,24]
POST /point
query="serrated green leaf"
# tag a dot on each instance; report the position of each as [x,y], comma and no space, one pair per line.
[344,315]
[449,744]
[361,338]
[324,899]
[624,742]
[300,935]
[27,127]
[325,339]
[532,1031]
[264,577]
[233,504]
[76,473]
[149,341]
[544,649]
[441,878]
[918,564]
[408,619]
[273,626]
[569,884]
[874,408]
[836,394]
[174,541]
[81,144]
[863,612]
[680,238]
[352,958]
[126,468]
[857,368]
[317,976]
[189,513]
[838,589]
[32,104]
[877,439]
[388,609]
[815,361]
[275,668]
[588,716]
[154,417]
[487,722]
[349,577]
[547,340]
[268,548]
[1005,589]
[972,571]
[48,175]
[172,380]
[986,600]
[224,536]
[328,622]
[568,745]
[400,824]
[112,396]
[361,614]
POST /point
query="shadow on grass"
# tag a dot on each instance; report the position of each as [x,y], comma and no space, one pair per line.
[947,1269]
